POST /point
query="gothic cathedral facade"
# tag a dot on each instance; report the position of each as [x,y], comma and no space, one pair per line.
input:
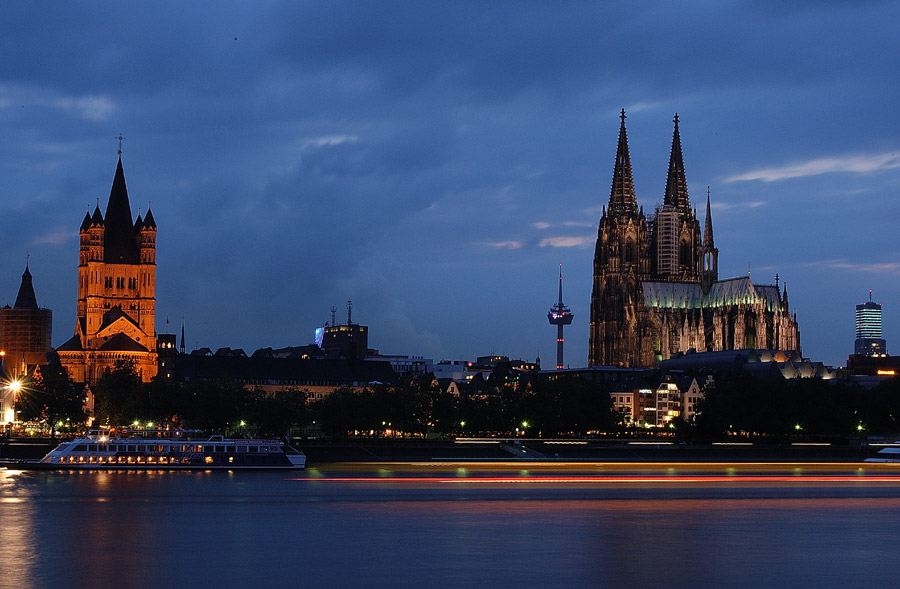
[116,314]
[656,290]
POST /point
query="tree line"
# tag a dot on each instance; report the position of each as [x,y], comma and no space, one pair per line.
[806,407]
[566,406]
[412,406]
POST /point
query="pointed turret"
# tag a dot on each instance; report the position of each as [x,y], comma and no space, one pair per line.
[622,200]
[86,223]
[676,183]
[97,217]
[709,270]
[708,241]
[26,299]
[120,245]
[149,221]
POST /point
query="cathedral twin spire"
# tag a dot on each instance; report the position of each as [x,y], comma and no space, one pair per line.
[676,183]
[622,199]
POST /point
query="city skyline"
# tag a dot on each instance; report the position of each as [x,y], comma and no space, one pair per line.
[435,164]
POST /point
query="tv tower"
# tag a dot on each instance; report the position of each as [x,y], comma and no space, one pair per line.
[560,315]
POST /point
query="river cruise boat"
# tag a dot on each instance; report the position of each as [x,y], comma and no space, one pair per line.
[113,451]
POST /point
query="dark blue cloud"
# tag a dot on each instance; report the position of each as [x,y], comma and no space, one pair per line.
[434,162]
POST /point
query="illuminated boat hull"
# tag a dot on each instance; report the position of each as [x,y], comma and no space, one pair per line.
[215,453]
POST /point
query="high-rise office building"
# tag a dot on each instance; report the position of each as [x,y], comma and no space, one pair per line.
[869,339]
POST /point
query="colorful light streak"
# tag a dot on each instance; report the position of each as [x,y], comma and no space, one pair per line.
[655,479]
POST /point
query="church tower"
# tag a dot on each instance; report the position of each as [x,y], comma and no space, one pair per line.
[675,231]
[25,331]
[116,309]
[621,261]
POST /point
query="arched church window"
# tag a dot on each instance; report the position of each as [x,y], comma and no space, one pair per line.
[685,255]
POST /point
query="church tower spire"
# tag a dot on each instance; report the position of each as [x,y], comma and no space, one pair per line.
[119,243]
[676,183]
[708,241]
[709,273]
[26,299]
[622,200]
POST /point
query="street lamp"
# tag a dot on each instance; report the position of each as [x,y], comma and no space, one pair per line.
[12,387]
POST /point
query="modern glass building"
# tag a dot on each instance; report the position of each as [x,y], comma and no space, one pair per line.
[869,340]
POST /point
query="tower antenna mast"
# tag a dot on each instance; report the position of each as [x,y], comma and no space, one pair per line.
[560,316]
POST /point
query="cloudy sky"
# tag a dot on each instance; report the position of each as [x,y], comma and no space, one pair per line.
[434,162]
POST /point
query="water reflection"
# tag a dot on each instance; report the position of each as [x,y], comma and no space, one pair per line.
[239,529]
[18,548]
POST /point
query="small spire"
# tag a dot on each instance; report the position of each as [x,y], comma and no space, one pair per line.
[708,240]
[121,139]
[25,298]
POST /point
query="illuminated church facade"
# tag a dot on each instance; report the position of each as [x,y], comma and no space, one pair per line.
[656,288]
[116,309]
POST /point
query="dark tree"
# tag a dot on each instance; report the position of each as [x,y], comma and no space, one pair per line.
[119,397]
[52,396]
[570,405]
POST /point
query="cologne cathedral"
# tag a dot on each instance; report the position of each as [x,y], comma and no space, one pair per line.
[656,289]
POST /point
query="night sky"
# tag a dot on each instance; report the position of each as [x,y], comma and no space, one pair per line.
[435,161]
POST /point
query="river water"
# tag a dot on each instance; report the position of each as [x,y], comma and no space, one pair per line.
[390,527]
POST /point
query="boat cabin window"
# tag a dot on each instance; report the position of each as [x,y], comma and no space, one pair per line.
[92,447]
[131,447]
[252,448]
[220,448]
[142,448]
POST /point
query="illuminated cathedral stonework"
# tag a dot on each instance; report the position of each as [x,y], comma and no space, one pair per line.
[656,289]
[116,291]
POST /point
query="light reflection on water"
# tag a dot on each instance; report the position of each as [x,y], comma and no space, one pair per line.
[258,528]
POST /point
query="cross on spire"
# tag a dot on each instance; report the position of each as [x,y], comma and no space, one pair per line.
[121,139]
